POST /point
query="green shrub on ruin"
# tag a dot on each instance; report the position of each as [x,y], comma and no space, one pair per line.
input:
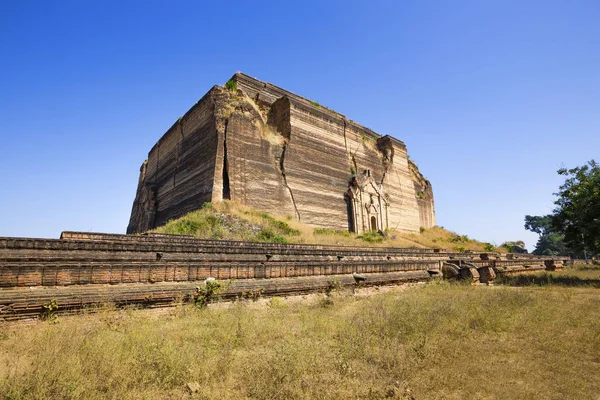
[210,292]
[231,85]
[279,225]
[460,238]
[269,235]
[253,294]
[49,311]
[489,247]
[198,223]
[371,237]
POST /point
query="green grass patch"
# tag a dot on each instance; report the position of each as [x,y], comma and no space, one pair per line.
[329,231]
[279,225]
[269,235]
[231,220]
[220,222]
[201,223]
[371,237]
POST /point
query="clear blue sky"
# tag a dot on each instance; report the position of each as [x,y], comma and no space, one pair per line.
[491,97]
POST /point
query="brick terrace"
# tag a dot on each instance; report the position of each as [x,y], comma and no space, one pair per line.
[80,270]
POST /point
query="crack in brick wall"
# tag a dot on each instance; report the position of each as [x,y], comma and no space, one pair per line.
[282,168]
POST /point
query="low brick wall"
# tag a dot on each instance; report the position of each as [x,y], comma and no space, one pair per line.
[82,269]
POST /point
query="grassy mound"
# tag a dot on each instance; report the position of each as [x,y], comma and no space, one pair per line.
[231,220]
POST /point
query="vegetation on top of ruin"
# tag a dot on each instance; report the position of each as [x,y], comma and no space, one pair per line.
[237,102]
[430,341]
[233,221]
[318,105]
[369,141]
[231,85]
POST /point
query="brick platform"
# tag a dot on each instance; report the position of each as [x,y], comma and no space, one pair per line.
[83,269]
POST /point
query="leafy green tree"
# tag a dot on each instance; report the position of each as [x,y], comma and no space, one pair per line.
[551,244]
[537,224]
[548,244]
[577,212]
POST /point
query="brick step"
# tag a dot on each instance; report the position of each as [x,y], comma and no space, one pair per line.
[202,246]
[223,247]
[84,256]
[18,304]
[177,239]
[63,273]
[152,244]
[514,269]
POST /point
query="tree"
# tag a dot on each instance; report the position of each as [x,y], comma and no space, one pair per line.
[548,244]
[551,244]
[577,212]
[537,224]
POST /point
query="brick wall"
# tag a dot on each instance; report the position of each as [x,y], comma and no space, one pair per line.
[83,269]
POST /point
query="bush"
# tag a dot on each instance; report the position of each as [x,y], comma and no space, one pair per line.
[282,226]
[488,247]
[185,227]
[203,295]
[459,238]
[371,237]
[198,223]
[231,85]
[49,311]
[267,235]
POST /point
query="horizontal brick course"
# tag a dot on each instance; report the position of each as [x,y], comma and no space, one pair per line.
[86,268]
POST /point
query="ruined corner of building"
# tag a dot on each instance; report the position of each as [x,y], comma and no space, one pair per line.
[258,144]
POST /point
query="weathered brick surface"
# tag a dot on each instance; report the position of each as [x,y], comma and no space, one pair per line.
[279,152]
[87,268]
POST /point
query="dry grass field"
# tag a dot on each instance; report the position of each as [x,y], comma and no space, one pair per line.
[429,341]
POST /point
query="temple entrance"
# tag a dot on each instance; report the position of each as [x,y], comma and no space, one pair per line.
[367,206]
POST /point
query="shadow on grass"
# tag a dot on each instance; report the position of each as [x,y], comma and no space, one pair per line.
[546,279]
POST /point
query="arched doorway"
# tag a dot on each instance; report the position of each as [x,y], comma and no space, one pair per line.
[374,224]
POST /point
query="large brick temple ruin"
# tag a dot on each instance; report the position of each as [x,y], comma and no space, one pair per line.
[270,149]
[275,151]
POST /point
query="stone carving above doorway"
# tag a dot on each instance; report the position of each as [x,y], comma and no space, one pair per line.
[368,204]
